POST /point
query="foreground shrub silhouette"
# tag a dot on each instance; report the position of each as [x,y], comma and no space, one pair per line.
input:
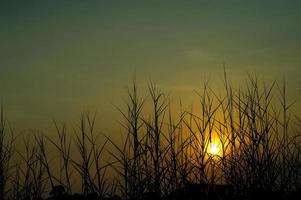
[166,154]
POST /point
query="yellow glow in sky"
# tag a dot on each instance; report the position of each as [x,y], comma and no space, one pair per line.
[214,148]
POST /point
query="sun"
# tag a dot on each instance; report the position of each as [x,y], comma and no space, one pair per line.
[214,148]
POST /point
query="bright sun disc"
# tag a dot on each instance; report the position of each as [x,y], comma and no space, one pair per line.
[213,149]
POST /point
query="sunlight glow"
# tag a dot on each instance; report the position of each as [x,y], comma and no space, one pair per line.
[214,148]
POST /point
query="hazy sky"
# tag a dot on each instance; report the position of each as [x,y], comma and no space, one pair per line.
[58,58]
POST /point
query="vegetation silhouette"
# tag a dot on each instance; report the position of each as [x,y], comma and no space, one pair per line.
[164,155]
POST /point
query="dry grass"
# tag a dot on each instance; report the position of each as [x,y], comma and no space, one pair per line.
[257,134]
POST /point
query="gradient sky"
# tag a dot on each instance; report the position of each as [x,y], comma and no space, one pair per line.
[58,58]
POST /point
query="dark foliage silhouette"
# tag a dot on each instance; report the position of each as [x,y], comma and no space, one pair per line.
[241,144]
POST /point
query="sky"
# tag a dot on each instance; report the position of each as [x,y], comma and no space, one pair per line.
[59,58]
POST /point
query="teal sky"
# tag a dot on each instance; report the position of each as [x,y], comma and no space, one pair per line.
[58,58]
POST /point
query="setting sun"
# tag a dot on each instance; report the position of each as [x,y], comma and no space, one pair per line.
[214,148]
[150,100]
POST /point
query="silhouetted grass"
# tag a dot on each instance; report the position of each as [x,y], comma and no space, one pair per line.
[165,153]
